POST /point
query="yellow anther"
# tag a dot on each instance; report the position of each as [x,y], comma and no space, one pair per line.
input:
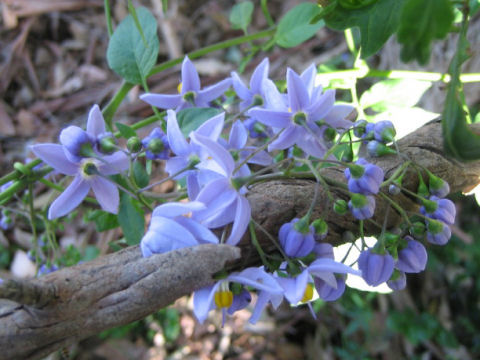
[307,296]
[179,88]
[223,299]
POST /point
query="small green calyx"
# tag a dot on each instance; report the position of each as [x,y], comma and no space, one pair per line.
[257,100]
[300,118]
[435,226]
[356,171]
[422,189]
[86,150]
[240,182]
[358,200]
[417,229]
[435,182]
[134,144]
[430,206]
[320,226]
[193,161]
[22,168]
[156,146]
[340,207]
[302,225]
[259,128]
[329,134]
[391,239]
[189,96]
[107,145]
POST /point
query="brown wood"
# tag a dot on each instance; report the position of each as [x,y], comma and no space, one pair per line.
[40,316]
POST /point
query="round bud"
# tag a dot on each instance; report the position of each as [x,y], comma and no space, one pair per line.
[329,134]
[134,144]
[340,206]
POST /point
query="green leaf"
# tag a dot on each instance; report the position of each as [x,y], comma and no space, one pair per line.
[474,6]
[376,22]
[91,252]
[295,27]
[459,140]
[241,15]
[127,54]
[126,131]
[190,119]
[394,92]
[103,220]
[140,174]
[131,219]
[421,22]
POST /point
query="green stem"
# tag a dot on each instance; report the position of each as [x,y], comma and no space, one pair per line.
[266,13]
[108,17]
[256,244]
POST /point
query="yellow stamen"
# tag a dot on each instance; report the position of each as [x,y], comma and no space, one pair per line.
[223,298]
[307,296]
[179,88]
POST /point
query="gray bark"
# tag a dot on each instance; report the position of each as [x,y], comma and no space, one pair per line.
[40,316]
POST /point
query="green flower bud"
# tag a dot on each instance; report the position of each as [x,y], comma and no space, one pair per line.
[340,207]
[134,144]
[107,145]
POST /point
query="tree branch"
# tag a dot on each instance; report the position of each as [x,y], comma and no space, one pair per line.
[42,315]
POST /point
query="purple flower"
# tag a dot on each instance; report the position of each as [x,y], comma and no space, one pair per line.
[438,233]
[375,268]
[223,196]
[305,105]
[190,94]
[412,258]
[439,209]
[189,154]
[364,178]
[255,95]
[361,206]
[437,186]
[330,293]
[169,230]
[376,148]
[44,269]
[237,141]
[5,222]
[384,131]
[220,296]
[88,173]
[76,141]
[323,269]
[296,242]
[156,144]
[398,281]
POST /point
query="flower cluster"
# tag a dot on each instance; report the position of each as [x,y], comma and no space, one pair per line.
[216,169]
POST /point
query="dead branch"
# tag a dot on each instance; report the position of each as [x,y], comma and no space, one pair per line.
[40,316]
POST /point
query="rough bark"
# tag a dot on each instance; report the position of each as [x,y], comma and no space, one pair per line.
[40,316]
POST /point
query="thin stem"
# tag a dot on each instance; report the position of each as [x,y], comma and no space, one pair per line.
[108,17]
[397,207]
[256,244]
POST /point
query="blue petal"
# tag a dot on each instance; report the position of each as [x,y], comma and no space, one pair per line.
[274,118]
[70,198]
[162,101]
[199,231]
[274,100]
[95,122]
[242,218]
[287,138]
[173,209]
[203,301]
[212,92]
[177,142]
[242,91]
[114,164]
[106,193]
[259,76]
[308,78]
[321,107]
[53,155]
[257,278]
[190,78]
[217,152]
[238,135]
[170,234]
[212,128]
[298,97]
